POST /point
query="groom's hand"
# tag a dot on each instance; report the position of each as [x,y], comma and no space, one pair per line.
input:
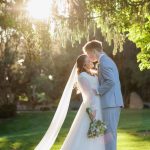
[96,91]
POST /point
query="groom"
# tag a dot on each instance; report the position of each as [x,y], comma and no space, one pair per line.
[109,90]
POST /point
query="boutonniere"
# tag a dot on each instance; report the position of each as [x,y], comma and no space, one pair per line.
[97,65]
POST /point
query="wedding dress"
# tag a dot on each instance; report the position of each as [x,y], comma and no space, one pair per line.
[77,137]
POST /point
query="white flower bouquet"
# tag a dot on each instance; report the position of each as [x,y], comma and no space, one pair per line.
[97,127]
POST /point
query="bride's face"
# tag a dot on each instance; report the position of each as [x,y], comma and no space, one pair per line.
[88,64]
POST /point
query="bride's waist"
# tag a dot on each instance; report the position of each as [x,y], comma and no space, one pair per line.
[95,97]
[86,103]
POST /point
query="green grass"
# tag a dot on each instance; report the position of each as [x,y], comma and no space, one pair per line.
[25,130]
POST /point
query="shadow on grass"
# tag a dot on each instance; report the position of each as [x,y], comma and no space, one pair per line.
[24,141]
[132,141]
[26,130]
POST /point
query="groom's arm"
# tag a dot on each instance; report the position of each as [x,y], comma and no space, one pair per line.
[108,76]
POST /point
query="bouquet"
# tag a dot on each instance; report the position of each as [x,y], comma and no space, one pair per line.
[97,127]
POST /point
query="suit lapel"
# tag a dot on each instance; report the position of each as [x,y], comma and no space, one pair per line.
[99,68]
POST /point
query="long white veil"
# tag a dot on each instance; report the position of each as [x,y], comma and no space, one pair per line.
[51,134]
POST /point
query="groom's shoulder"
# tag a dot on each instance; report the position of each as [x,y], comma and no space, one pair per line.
[107,61]
[106,57]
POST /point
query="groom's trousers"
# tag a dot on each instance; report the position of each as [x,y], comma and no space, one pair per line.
[111,118]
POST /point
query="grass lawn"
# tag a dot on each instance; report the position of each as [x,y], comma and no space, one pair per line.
[25,130]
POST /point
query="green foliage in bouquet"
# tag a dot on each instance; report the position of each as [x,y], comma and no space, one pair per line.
[97,127]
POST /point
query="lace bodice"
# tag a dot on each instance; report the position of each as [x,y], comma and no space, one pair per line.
[87,83]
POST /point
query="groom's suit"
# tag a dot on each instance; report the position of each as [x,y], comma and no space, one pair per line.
[111,98]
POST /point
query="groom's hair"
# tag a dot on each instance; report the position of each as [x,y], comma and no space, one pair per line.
[93,45]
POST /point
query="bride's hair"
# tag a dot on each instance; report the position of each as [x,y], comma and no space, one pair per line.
[80,63]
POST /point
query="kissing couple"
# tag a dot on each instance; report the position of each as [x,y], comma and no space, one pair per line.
[101,92]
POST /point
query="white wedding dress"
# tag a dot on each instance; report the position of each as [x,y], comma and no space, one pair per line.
[77,137]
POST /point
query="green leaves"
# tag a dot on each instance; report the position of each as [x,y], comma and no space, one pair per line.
[141,36]
[125,19]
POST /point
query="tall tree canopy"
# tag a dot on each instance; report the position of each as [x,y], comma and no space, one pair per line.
[29,35]
[117,19]
[74,19]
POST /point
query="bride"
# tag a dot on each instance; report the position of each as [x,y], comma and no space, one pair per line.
[77,138]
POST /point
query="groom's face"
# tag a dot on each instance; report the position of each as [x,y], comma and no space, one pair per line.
[92,56]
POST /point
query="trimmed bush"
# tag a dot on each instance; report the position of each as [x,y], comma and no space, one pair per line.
[7,110]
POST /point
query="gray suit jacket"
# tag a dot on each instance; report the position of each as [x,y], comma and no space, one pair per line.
[109,90]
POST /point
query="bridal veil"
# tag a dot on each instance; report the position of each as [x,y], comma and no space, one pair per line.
[51,134]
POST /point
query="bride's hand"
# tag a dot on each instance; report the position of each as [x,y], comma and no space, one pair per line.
[93,115]
[96,91]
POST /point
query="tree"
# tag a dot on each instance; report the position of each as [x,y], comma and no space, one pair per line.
[117,19]
[26,43]
[20,54]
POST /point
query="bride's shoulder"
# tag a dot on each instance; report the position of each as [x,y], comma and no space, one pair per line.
[86,75]
[83,75]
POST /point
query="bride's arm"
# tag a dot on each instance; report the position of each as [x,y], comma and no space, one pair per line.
[87,90]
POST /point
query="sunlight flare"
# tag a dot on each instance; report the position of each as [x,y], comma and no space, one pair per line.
[39,9]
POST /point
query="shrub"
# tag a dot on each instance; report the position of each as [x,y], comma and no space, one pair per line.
[7,110]
[44,108]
